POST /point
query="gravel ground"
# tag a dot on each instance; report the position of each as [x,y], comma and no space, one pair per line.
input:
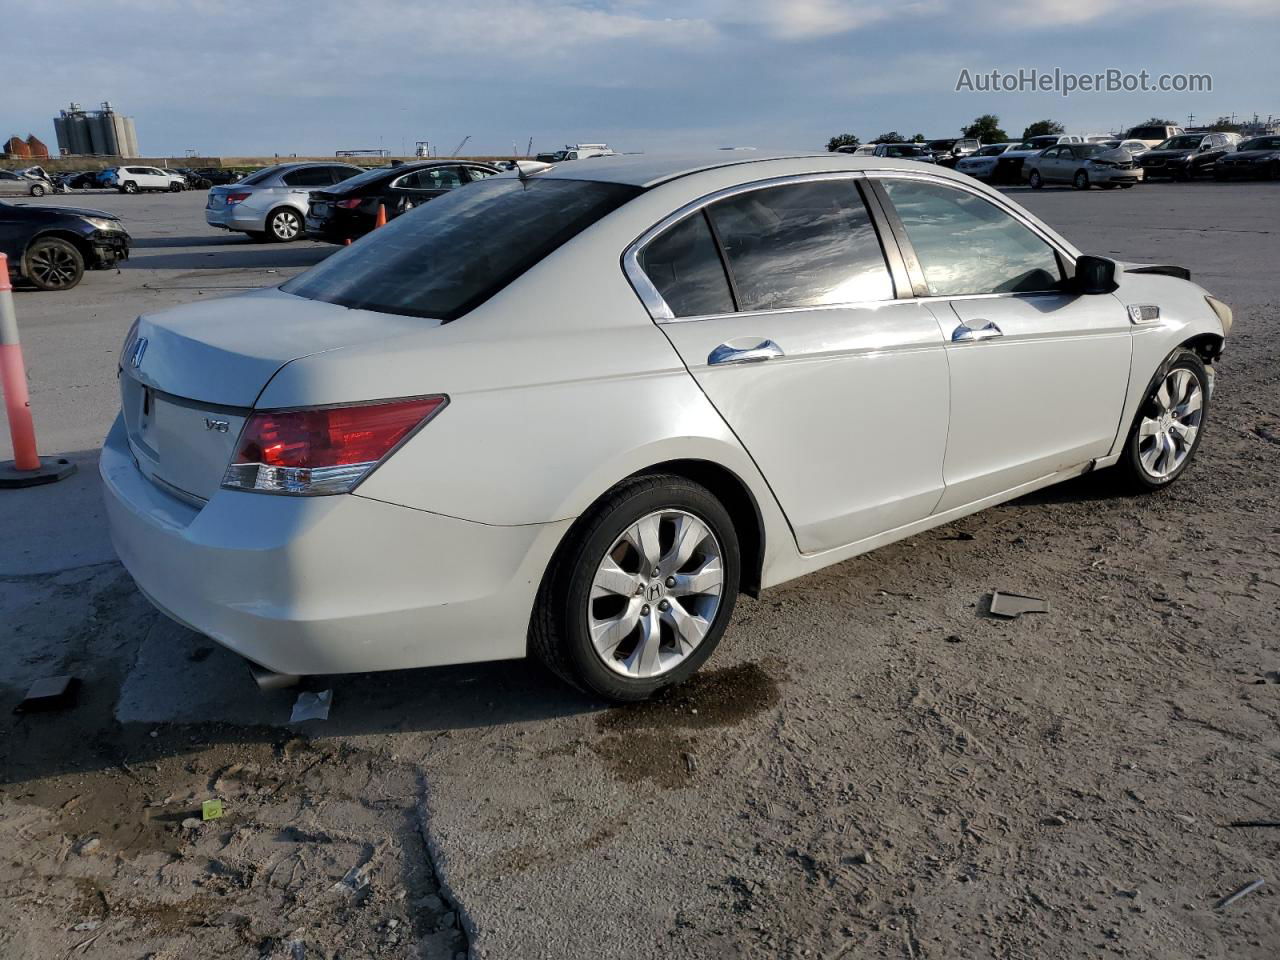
[871,767]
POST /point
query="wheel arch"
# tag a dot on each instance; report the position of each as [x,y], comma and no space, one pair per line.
[1208,346]
[57,233]
[738,499]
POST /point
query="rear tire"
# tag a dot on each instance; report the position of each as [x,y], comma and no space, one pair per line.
[594,637]
[284,225]
[1168,426]
[1034,180]
[53,264]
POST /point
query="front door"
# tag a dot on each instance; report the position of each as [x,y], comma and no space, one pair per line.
[1038,374]
[419,186]
[836,390]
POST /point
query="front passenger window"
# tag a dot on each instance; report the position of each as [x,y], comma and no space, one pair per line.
[967,245]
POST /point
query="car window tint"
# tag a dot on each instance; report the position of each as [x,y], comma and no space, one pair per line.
[967,245]
[308,177]
[800,245]
[448,256]
[685,266]
[338,174]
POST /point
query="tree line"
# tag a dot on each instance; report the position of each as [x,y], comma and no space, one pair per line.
[985,129]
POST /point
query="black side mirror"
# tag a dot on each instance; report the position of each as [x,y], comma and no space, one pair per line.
[1095,275]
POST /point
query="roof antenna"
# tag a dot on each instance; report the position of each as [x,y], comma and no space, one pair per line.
[520,174]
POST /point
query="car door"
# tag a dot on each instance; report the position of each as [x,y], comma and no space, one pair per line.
[781,303]
[1038,373]
[419,186]
[1054,164]
[12,185]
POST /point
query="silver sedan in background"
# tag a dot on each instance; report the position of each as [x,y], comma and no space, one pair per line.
[1083,165]
[272,203]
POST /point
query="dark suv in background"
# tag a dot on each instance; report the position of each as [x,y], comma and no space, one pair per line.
[1186,156]
[348,210]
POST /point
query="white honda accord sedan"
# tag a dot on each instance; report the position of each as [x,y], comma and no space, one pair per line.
[574,414]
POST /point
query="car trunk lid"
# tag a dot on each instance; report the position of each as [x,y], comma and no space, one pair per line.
[190,376]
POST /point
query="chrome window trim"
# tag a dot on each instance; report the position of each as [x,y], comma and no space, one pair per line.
[653,301]
[661,313]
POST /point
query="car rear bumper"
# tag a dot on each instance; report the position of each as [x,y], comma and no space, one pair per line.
[235,218]
[316,585]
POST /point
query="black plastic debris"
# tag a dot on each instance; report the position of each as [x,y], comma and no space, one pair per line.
[1011,605]
[49,693]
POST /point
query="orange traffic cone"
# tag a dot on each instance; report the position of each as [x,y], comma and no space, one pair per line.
[381,221]
[346,242]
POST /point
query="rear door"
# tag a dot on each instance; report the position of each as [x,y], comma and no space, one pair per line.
[1038,374]
[835,387]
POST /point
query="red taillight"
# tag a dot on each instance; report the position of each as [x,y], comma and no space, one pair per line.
[236,198]
[350,204]
[322,451]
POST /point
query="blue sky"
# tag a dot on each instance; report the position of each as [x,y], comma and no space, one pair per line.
[240,77]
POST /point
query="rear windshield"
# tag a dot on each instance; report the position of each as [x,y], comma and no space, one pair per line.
[260,175]
[1181,143]
[448,256]
[1261,143]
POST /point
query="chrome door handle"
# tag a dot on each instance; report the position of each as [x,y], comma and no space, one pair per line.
[764,350]
[967,334]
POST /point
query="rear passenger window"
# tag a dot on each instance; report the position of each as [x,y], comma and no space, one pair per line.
[801,245]
[685,266]
[967,245]
[308,177]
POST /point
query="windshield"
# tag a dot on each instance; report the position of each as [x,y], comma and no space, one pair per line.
[448,256]
[1148,133]
[993,151]
[1091,149]
[1181,143]
[1261,143]
[941,144]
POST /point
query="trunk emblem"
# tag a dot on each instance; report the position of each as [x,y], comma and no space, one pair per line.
[135,355]
[217,426]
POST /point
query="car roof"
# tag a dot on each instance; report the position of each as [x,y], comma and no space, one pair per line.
[650,170]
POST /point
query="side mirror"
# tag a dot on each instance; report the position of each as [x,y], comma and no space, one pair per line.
[1095,275]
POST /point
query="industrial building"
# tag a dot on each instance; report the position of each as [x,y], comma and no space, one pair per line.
[33,148]
[103,132]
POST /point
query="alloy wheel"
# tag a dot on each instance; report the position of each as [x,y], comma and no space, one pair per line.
[53,267]
[1167,433]
[285,225]
[655,594]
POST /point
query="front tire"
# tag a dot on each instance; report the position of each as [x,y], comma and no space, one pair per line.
[284,225]
[641,590]
[1034,180]
[129,187]
[53,264]
[1081,180]
[175,188]
[37,190]
[1168,427]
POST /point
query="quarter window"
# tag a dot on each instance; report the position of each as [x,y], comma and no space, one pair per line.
[801,245]
[967,245]
[684,265]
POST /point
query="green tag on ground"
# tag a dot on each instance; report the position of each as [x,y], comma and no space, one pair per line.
[211,810]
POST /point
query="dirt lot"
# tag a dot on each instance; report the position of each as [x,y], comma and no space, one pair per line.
[872,767]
